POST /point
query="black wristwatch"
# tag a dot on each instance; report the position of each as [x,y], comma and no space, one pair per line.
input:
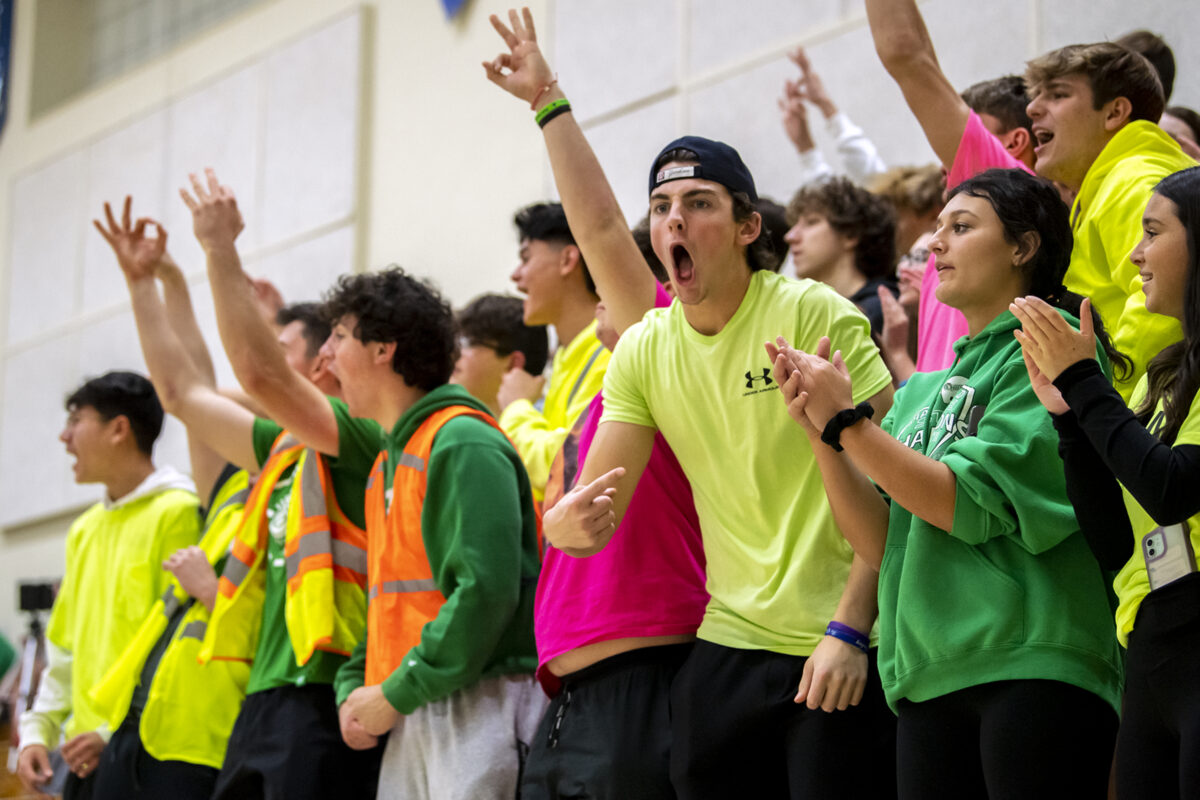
[832,434]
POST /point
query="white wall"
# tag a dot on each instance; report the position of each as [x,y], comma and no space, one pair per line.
[421,165]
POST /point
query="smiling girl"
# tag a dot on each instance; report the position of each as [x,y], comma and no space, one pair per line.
[996,646]
[1154,516]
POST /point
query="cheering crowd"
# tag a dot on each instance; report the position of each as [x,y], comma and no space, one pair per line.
[910,514]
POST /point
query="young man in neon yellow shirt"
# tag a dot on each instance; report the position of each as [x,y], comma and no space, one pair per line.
[114,575]
[761,707]
[558,291]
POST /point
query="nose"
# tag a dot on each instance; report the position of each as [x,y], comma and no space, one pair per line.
[1138,257]
[515,277]
[64,435]
[936,243]
[1034,109]
[327,348]
[675,215]
[793,235]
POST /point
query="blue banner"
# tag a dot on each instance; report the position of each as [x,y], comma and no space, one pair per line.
[452,7]
[6,20]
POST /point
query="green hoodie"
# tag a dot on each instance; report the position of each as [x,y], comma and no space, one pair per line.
[1011,591]
[479,527]
[1107,224]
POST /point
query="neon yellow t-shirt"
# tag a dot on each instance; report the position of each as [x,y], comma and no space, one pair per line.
[1132,584]
[777,563]
[576,376]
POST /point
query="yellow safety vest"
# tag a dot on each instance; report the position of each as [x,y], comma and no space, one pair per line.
[190,708]
[326,553]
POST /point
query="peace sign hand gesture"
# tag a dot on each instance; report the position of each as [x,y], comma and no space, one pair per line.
[522,72]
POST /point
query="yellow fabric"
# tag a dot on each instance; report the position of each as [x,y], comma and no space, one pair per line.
[324,610]
[1107,225]
[114,577]
[191,708]
[1132,583]
[538,435]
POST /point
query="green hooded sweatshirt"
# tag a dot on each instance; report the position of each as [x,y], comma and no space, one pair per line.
[1011,592]
[480,532]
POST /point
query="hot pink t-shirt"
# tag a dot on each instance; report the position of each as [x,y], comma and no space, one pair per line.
[938,325]
[648,581]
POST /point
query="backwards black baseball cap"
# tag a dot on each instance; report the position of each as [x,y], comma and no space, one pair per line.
[718,162]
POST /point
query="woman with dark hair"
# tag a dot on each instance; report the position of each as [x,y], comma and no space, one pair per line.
[1154,451]
[996,645]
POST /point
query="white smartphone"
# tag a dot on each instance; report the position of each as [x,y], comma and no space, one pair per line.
[1168,553]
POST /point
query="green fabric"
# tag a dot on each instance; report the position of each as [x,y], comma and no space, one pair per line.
[1132,584]
[1012,590]
[1107,225]
[348,485]
[7,654]
[479,527]
[114,576]
[275,659]
[777,563]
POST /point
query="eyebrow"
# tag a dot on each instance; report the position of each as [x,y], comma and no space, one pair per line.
[1148,220]
[686,195]
[958,212]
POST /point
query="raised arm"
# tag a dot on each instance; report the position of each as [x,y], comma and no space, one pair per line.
[218,429]
[623,280]
[860,157]
[903,45]
[251,344]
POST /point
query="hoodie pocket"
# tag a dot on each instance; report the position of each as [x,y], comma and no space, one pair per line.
[951,599]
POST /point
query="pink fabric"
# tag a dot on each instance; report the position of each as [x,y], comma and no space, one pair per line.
[938,325]
[648,581]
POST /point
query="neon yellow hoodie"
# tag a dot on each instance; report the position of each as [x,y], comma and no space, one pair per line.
[114,576]
[1107,223]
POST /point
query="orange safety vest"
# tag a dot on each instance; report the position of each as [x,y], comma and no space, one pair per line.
[325,602]
[402,596]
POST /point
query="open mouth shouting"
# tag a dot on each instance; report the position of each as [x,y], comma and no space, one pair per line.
[1042,137]
[682,261]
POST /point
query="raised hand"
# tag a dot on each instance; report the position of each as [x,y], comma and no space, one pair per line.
[826,379]
[810,85]
[517,384]
[795,117]
[522,71]
[1049,340]
[216,220]
[787,375]
[267,298]
[1046,391]
[584,518]
[138,256]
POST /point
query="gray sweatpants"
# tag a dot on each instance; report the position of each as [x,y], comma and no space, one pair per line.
[467,746]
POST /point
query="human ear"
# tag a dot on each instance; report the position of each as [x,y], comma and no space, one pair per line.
[1027,245]
[1117,113]
[384,352]
[515,359]
[749,229]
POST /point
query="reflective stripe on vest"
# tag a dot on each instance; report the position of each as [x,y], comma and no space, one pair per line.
[326,565]
[404,596]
